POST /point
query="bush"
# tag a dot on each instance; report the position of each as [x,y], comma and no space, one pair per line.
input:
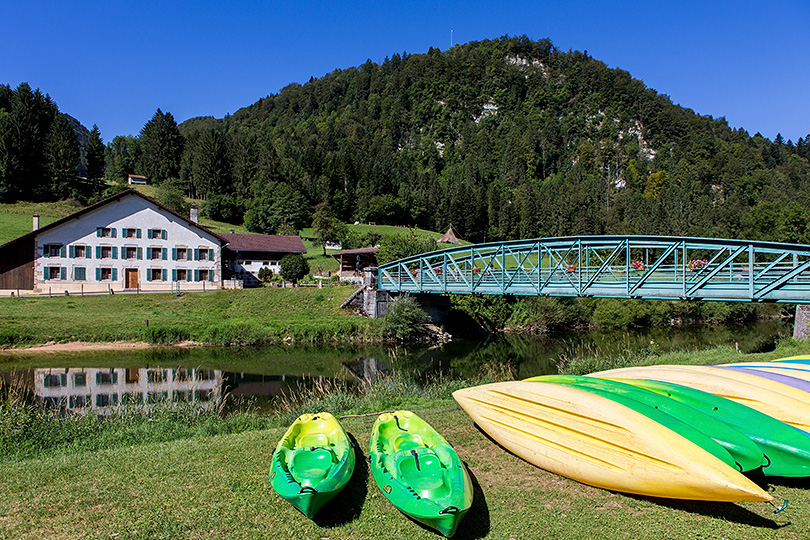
[293,267]
[237,334]
[165,335]
[404,318]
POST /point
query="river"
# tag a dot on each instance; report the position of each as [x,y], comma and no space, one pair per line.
[104,379]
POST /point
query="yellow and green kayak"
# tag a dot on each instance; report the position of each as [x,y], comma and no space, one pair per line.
[419,472]
[312,463]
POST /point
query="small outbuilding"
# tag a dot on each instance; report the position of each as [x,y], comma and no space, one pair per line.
[136,179]
[354,261]
[449,237]
[246,254]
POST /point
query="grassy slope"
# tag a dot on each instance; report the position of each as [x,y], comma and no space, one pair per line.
[218,487]
[122,317]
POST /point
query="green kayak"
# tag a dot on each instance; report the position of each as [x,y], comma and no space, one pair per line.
[312,463]
[419,471]
[786,449]
[713,436]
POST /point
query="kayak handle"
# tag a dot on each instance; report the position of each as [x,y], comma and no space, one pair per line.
[767,459]
[449,509]
[784,505]
[307,489]
[397,421]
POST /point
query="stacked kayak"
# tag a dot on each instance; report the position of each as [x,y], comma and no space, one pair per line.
[312,463]
[687,432]
[419,472]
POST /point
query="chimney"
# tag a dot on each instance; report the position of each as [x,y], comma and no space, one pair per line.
[194,212]
[36,221]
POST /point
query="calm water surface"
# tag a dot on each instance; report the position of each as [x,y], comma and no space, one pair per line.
[102,380]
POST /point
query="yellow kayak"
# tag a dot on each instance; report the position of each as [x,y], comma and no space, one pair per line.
[597,441]
[780,401]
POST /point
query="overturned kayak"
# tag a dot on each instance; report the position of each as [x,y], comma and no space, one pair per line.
[735,449]
[786,449]
[419,472]
[312,463]
[597,441]
[780,401]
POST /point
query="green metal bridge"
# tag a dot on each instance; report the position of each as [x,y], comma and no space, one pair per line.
[611,266]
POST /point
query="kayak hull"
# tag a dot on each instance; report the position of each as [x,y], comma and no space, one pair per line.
[312,463]
[599,442]
[419,472]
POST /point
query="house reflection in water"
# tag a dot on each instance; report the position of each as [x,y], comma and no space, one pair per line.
[102,389]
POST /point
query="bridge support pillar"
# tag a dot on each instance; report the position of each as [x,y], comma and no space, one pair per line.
[801,323]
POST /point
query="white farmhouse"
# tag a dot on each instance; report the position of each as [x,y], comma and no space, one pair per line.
[127,242]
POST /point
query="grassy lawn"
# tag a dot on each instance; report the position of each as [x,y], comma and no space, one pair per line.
[218,487]
[302,313]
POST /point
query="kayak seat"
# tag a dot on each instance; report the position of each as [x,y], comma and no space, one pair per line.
[312,439]
[312,463]
[422,470]
[408,441]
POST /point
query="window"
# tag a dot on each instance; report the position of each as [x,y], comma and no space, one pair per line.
[106,377]
[156,234]
[130,252]
[106,252]
[203,254]
[79,252]
[80,379]
[105,274]
[54,272]
[156,253]
[105,232]
[106,400]
[54,250]
[181,274]
[155,274]
[265,263]
[203,275]
[130,233]
[78,402]
[79,273]
[181,254]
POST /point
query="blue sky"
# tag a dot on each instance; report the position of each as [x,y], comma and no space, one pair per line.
[114,63]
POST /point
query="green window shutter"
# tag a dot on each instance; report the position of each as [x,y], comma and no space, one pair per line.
[71,251]
[196,254]
[210,254]
[112,232]
[45,250]
[98,232]
[211,275]
[137,233]
[148,254]
[196,275]
[115,274]
[115,252]
[139,252]
[164,272]
[98,252]
[123,232]
[163,234]
[174,254]
[148,234]
[98,377]
[115,378]
[62,273]
[98,274]
[174,274]
[164,252]
[88,253]
[63,251]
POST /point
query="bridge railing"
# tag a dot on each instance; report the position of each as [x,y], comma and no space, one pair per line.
[611,266]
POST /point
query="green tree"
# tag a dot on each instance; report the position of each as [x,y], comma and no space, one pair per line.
[293,267]
[162,146]
[171,197]
[278,204]
[62,153]
[326,227]
[122,157]
[211,168]
[94,156]
[399,246]
[404,318]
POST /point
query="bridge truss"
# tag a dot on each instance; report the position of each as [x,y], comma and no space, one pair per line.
[611,266]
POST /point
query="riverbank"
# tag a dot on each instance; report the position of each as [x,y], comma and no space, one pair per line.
[179,474]
[224,317]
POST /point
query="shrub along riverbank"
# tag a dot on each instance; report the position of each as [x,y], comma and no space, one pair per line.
[188,473]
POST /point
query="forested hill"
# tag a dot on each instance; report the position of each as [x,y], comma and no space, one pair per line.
[506,138]
[512,138]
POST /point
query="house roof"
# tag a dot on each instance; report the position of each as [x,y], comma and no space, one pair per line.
[116,197]
[264,242]
[360,251]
